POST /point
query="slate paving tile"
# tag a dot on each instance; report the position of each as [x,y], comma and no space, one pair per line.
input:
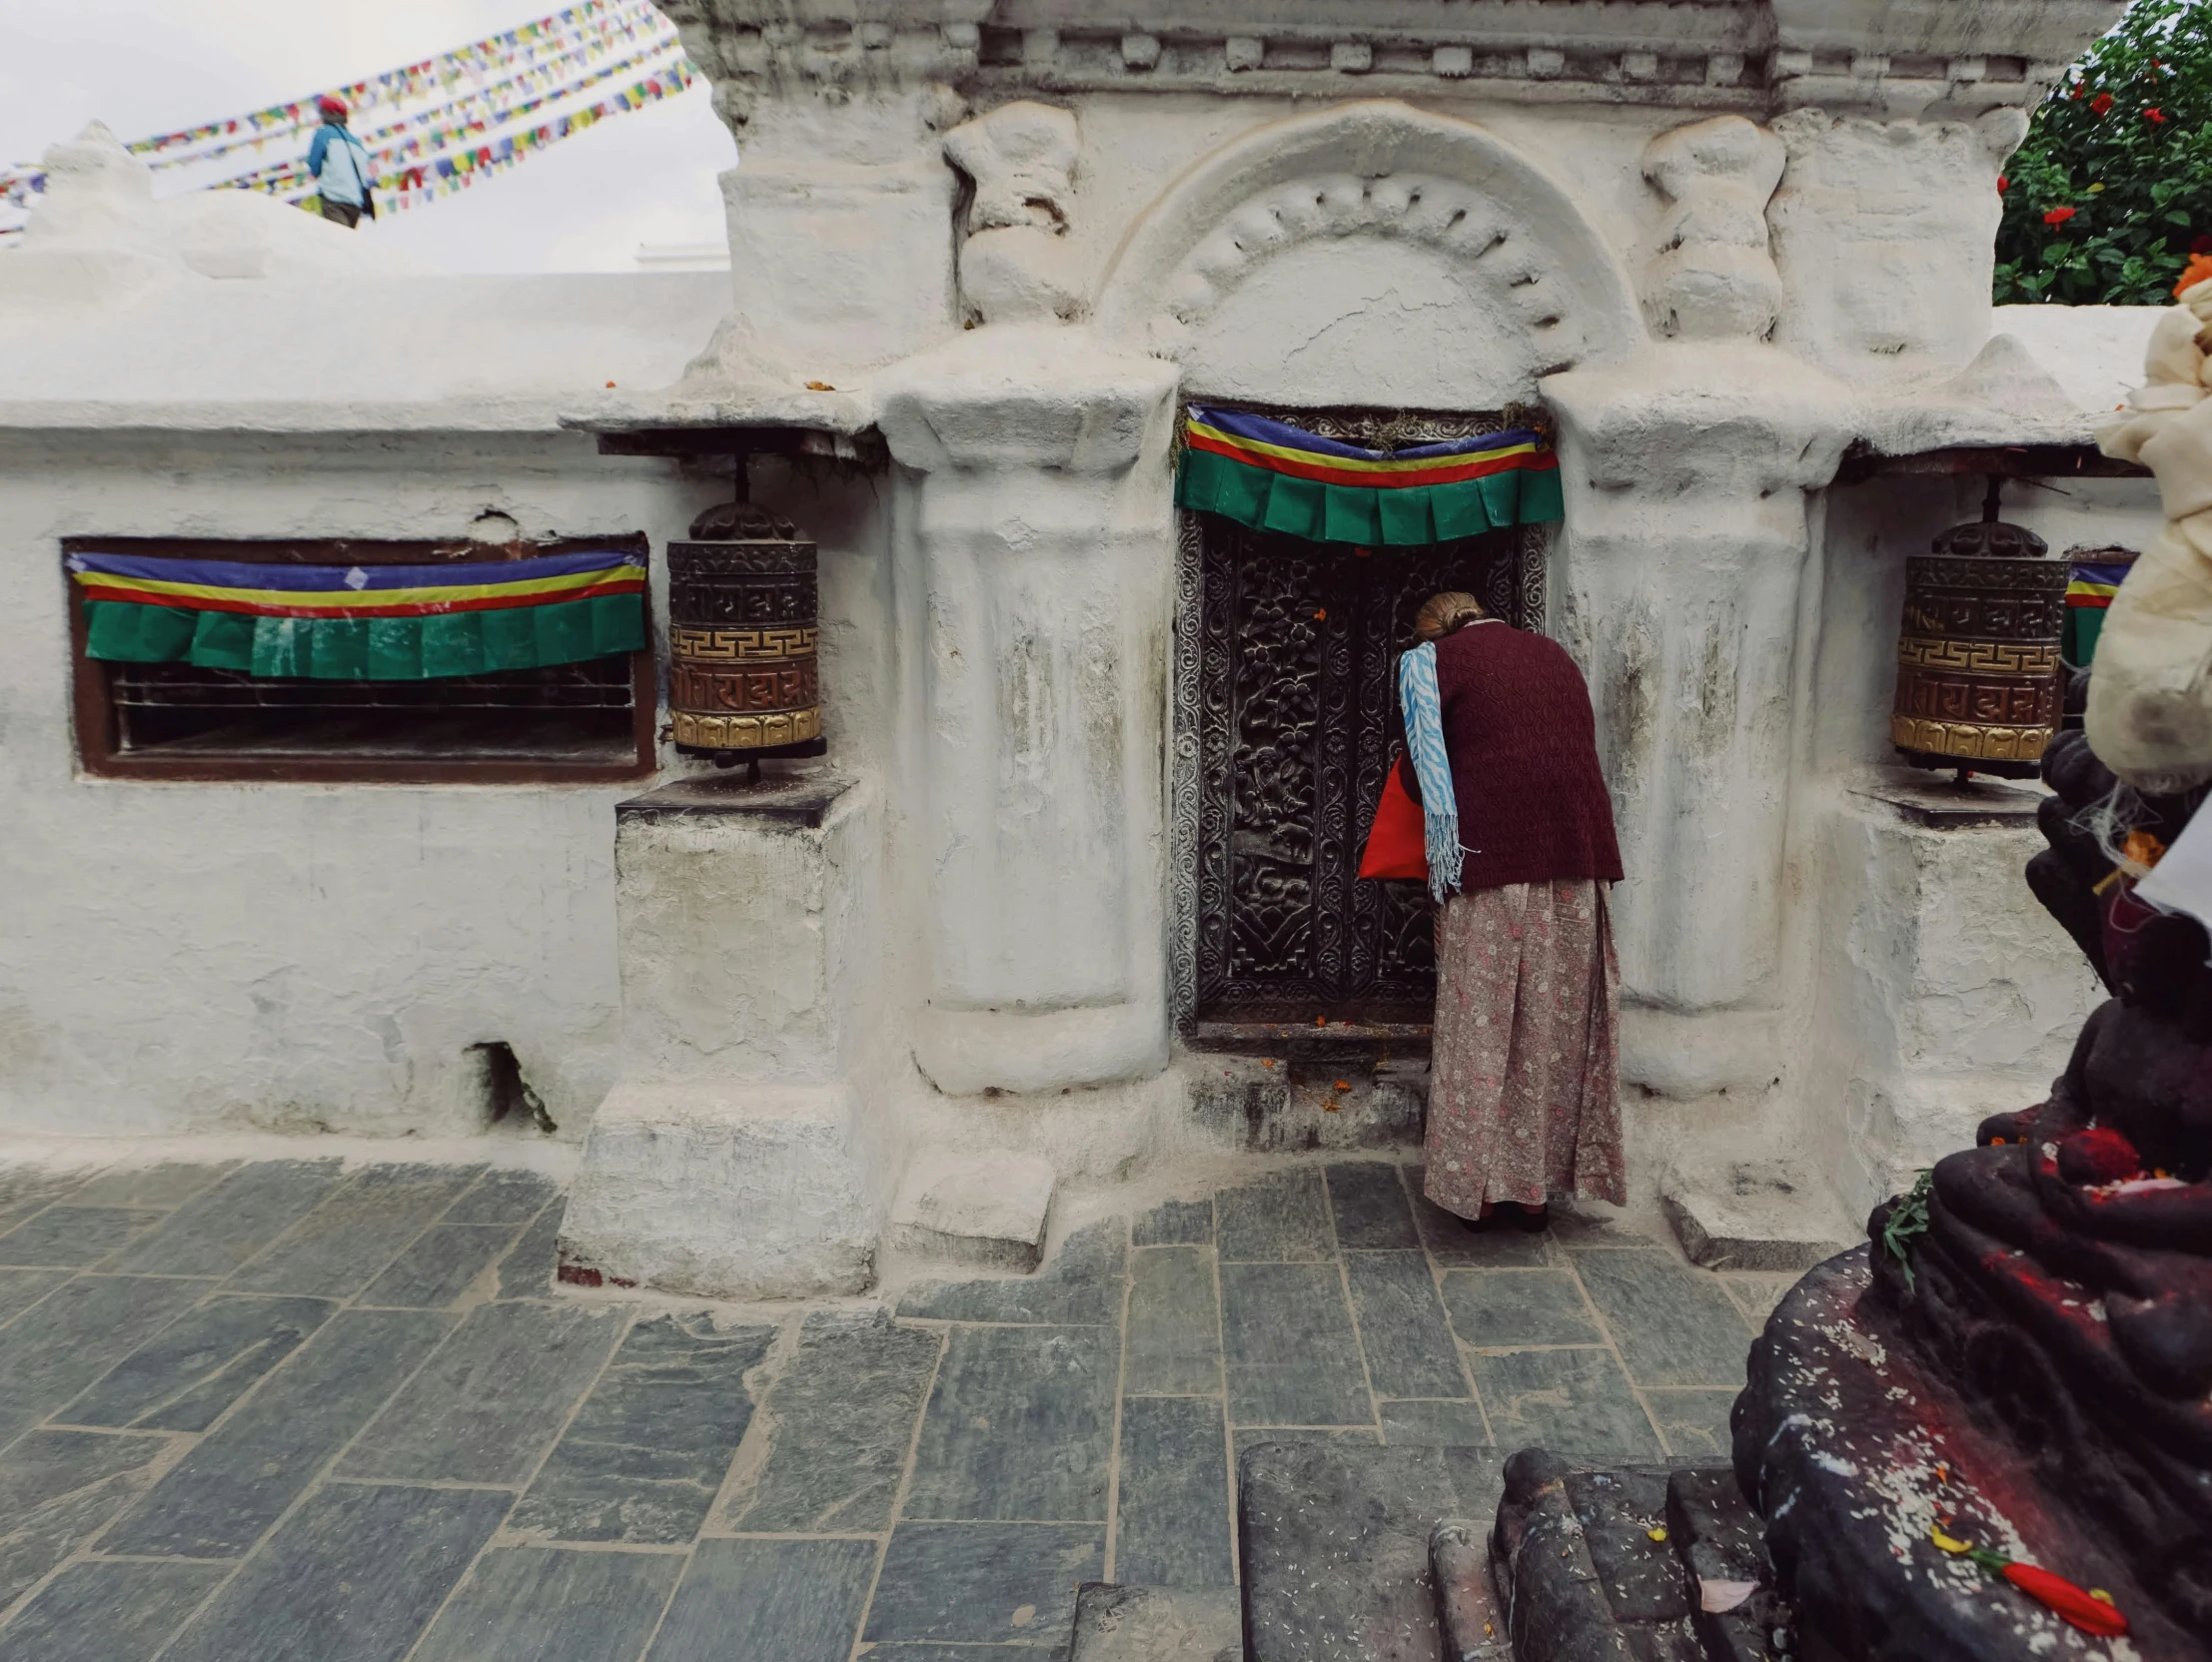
[187,1375]
[838,1424]
[165,1185]
[242,1475]
[545,1604]
[1280,1219]
[338,1249]
[76,1334]
[1574,1403]
[57,1489]
[899,1651]
[1174,1334]
[1402,1327]
[1434,1424]
[105,1611]
[1674,1325]
[1020,1425]
[1171,1523]
[1756,1296]
[26,1190]
[1455,1246]
[1371,1208]
[503,1195]
[1174,1223]
[1694,1422]
[73,1235]
[768,1601]
[21,1289]
[645,1454]
[1289,1348]
[1593,1230]
[1251,1436]
[220,1229]
[1082,1286]
[354,1576]
[484,1408]
[444,1262]
[1502,1309]
[984,1583]
[527,1269]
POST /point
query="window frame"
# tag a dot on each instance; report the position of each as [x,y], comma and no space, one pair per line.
[100,754]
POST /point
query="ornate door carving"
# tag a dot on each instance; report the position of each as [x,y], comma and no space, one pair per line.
[1287,718]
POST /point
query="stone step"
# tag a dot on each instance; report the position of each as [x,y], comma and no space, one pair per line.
[985,1209]
[1598,1565]
[1762,1214]
[1335,1545]
[1156,1624]
[1334,1098]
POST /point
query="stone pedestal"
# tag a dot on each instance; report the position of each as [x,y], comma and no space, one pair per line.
[1853,1448]
[730,1162]
[1944,991]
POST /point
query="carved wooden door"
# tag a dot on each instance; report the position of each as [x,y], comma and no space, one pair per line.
[1297,643]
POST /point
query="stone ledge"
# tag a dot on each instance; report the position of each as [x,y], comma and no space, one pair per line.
[800,800]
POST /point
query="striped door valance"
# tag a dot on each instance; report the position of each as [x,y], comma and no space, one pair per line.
[1277,477]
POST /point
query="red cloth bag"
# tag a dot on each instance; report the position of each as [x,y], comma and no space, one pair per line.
[1395,843]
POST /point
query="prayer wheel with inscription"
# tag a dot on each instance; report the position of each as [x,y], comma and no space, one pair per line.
[742,681]
[1978,684]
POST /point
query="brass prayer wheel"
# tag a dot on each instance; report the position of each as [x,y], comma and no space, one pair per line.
[742,636]
[1977,659]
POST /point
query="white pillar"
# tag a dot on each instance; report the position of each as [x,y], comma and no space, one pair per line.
[1041,539]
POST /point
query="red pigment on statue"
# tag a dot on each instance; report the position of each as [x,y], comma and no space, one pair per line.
[2098,1156]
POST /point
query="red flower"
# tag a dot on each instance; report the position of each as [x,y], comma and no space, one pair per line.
[2101,102]
[2155,115]
[2059,215]
[2001,183]
[2071,1604]
[2079,89]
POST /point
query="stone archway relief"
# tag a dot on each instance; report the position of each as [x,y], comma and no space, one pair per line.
[1370,241]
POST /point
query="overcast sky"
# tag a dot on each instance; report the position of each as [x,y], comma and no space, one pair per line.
[150,66]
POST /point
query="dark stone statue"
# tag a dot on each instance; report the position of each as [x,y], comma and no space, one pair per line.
[2065,1275]
[2020,1359]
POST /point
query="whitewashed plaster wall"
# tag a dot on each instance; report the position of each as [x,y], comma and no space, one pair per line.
[178,955]
[1927,989]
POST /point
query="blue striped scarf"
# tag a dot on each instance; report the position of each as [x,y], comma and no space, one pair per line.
[1439,813]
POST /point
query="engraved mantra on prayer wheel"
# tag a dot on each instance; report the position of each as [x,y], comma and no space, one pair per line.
[1977,659]
[742,635]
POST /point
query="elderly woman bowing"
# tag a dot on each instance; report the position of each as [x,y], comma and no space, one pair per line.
[1502,756]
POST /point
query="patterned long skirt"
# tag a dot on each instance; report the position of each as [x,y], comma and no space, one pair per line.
[1522,1091]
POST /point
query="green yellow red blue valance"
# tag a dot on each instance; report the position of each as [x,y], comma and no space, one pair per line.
[1277,477]
[362,622]
[2089,592]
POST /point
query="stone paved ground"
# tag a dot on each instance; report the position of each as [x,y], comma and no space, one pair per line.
[294,1411]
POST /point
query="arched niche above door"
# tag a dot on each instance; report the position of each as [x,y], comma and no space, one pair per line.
[1369,254]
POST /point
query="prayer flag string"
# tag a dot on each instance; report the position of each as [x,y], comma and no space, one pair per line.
[540,59]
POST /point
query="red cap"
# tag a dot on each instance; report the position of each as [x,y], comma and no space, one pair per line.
[330,106]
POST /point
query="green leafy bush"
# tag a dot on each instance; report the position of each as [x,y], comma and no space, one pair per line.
[2112,191]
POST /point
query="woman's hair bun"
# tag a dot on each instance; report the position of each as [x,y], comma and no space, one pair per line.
[1440,614]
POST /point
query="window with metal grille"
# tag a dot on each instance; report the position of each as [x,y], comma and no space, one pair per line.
[179,707]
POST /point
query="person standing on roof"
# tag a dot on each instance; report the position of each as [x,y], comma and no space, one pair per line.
[339,163]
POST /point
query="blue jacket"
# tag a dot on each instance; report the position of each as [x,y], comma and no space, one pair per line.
[340,167]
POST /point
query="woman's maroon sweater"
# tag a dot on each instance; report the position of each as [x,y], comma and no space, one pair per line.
[1524,748]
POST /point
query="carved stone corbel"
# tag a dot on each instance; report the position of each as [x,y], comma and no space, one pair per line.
[1714,275]
[1014,266]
